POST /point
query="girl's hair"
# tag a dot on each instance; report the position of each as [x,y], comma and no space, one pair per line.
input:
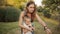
[33,13]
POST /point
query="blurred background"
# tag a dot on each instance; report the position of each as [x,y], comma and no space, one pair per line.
[48,10]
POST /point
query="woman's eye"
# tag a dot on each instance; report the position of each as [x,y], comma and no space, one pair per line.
[31,7]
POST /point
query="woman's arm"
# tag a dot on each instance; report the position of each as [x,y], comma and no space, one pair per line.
[43,24]
[40,20]
[21,19]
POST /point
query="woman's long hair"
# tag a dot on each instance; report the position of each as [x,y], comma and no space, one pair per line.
[34,12]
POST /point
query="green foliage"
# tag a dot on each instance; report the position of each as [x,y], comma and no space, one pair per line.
[9,14]
[52,5]
[46,13]
[12,14]
[39,9]
[2,14]
[22,8]
[16,3]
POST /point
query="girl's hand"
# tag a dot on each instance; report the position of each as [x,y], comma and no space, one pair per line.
[29,29]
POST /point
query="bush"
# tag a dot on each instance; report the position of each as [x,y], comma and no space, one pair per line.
[2,14]
[46,13]
[9,14]
[39,9]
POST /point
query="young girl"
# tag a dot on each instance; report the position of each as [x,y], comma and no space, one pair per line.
[27,24]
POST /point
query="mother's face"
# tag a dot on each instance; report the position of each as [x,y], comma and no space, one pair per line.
[31,8]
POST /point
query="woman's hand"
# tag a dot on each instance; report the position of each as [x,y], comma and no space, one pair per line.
[48,31]
[33,28]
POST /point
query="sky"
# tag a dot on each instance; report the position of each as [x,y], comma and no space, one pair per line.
[38,2]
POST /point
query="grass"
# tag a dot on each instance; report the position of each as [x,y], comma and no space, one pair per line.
[6,27]
[12,27]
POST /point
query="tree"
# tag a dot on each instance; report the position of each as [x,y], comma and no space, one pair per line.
[39,9]
[16,3]
[2,2]
[52,5]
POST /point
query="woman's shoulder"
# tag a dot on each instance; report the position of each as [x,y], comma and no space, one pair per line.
[22,13]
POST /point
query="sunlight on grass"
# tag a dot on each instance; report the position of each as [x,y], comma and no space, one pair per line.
[49,20]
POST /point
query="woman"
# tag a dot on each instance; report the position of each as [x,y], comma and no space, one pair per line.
[30,12]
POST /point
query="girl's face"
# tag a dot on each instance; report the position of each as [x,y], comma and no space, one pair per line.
[27,20]
[31,8]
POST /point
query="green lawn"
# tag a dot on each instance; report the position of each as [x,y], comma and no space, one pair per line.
[13,28]
[7,27]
